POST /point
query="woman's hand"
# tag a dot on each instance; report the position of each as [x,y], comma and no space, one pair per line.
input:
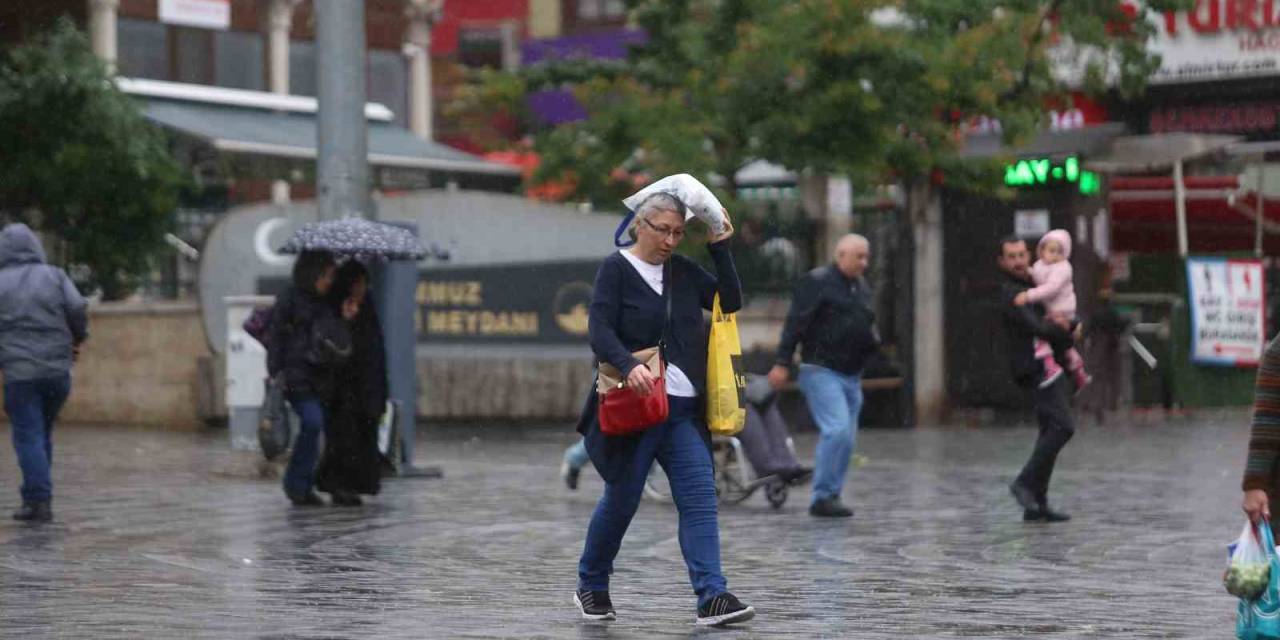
[728,229]
[642,380]
[1256,505]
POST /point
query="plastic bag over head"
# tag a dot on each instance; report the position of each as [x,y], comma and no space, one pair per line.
[698,200]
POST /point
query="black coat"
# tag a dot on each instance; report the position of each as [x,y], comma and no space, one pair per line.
[627,315]
[351,461]
[832,321]
[308,341]
[1022,325]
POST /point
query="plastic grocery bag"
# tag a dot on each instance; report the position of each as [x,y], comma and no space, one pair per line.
[1257,618]
[697,198]
[726,382]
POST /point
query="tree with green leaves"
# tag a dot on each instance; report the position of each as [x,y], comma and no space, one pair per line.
[80,162]
[879,90]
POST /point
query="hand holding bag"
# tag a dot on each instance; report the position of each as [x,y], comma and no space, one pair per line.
[623,411]
[1259,619]
[273,420]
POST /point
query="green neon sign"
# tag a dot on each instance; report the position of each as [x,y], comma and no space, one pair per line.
[1042,172]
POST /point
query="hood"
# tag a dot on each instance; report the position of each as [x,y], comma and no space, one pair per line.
[19,245]
[1061,237]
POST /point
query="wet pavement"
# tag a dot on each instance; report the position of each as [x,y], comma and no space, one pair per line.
[168,535]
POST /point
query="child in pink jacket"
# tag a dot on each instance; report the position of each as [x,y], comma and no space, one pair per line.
[1054,289]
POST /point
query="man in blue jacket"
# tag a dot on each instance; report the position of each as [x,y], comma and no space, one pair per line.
[42,324]
[832,320]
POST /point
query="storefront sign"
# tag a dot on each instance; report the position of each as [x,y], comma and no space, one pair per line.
[1042,172]
[1254,118]
[1218,39]
[206,14]
[1227,299]
[537,303]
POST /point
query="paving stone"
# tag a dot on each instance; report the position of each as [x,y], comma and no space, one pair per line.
[170,535]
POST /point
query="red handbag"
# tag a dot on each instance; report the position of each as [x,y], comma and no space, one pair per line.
[623,411]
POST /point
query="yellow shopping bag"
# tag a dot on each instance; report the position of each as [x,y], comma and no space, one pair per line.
[726,384]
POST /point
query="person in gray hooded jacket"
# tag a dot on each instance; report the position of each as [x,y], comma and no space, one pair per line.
[42,324]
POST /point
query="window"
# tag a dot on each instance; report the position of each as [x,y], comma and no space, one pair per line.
[239,60]
[191,59]
[388,81]
[601,10]
[143,49]
[302,69]
[480,47]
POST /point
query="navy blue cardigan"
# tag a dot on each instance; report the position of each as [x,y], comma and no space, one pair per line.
[627,315]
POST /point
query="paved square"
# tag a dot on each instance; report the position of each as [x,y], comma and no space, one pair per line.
[169,535]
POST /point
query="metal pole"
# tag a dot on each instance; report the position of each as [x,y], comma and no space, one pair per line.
[1180,204]
[396,284]
[1260,212]
[342,165]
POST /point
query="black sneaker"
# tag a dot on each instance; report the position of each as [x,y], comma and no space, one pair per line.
[594,605]
[830,508]
[724,609]
[34,512]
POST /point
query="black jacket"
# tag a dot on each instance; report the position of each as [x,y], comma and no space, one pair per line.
[351,461]
[832,320]
[627,315]
[1022,325]
[308,341]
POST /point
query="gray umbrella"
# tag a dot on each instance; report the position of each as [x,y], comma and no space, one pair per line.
[355,237]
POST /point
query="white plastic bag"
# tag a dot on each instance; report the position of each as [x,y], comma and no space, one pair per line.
[1249,569]
[697,198]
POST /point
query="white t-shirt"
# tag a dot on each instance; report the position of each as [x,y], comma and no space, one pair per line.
[678,383]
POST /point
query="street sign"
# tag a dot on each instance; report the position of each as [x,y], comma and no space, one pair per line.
[1228,302]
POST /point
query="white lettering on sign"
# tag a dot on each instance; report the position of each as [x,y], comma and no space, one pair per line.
[1227,299]
[1218,39]
[205,14]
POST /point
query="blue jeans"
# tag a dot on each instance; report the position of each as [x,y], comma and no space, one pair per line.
[300,475]
[835,401]
[677,445]
[576,456]
[32,406]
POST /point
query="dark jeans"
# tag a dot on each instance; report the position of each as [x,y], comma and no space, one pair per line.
[33,406]
[678,446]
[1056,428]
[300,475]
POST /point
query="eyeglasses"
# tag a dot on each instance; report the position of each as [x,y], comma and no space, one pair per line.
[667,232]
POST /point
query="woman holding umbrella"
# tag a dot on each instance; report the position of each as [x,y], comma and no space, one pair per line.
[308,342]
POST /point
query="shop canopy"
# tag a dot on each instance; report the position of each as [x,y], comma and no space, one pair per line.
[256,123]
[1150,210]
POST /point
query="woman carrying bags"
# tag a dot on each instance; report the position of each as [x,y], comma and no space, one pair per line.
[646,297]
[308,343]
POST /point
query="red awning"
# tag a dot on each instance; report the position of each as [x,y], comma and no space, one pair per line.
[1220,216]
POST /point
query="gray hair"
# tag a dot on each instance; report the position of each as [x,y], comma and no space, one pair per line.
[653,204]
